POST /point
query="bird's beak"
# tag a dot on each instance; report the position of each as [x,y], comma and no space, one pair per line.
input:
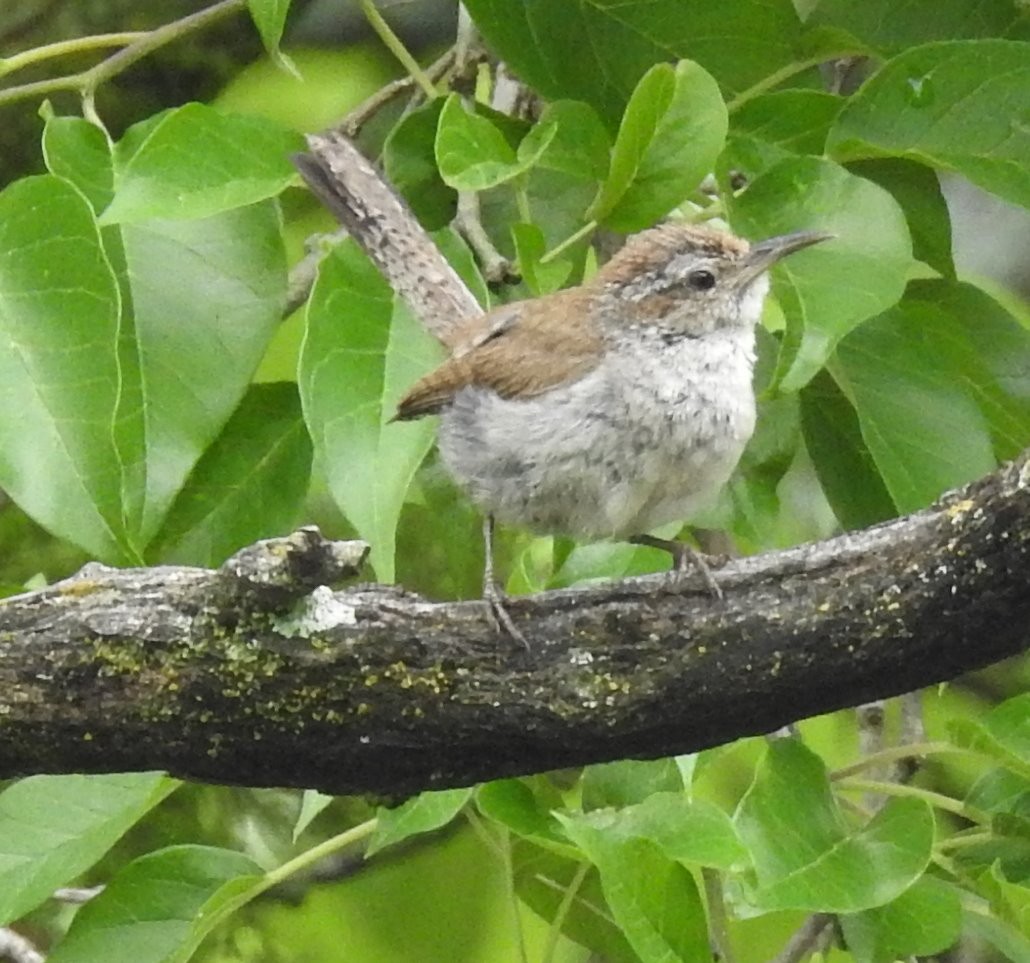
[765,254]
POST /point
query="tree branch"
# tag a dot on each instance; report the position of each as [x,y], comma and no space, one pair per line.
[259,674]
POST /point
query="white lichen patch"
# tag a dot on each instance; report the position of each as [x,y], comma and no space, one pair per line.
[318,612]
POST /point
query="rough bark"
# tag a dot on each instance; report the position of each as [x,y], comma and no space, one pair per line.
[260,674]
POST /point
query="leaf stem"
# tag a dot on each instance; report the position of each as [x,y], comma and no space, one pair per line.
[563,909]
[939,800]
[967,839]
[562,246]
[777,77]
[513,897]
[393,43]
[500,843]
[340,841]
[275,876]
[61,48]
[894,753]
[718,924]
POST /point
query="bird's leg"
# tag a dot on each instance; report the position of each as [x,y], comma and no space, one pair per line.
[493,594]
[681,553]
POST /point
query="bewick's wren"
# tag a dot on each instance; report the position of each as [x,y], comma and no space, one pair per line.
[602,411]
[609,409]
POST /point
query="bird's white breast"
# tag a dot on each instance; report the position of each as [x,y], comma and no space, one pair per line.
[647,437]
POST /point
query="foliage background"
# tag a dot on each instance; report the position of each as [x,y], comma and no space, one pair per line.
[157,406]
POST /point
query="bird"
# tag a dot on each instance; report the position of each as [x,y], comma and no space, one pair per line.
[609,409]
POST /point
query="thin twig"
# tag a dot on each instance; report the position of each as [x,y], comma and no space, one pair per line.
[467,37]
[305,271]
[87,81]
[871,741]
[360,115]
[495,266]
[913,731]
[804,940]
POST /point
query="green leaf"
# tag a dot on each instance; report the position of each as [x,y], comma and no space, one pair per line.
[671,134]
[957,105]
[1006,846]
[159,908]
[60,378]
[925,919]
[919,417]
[453,247]
[654,899]
[79,151]
[269,17]
[796,121]
[1004,937]
[917,189]
[206,297]
[628,781]
[542,879]
[312,803]
[989,352]
[1001,791]
[805,857]
[199,301]
[248,485]
[421,814]
[1003,734]
[887,25]
[773,127]
[360,354]
[409,161]
[530,247]
[846,469]
[580,146]
[53,828]
[827,291]
[688,831]
[194,162]
[473,154]
[512,803]
[603,561]
[1009,900]
[788,816]
[615,42]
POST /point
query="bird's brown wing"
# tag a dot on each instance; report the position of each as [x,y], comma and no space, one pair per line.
[516,352]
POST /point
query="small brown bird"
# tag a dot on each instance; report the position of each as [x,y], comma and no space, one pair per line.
[603,411]
[612,408]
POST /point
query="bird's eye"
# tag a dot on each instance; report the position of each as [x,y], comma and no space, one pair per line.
[701,280]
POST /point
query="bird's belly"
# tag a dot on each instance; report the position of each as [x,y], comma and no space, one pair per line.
[599,458]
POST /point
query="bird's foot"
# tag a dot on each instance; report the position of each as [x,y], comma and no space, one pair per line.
[495,599]
[684,558]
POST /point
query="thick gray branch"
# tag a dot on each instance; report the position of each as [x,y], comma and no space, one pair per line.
[253,675]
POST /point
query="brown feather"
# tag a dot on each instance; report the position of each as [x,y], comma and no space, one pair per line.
[554,343]
[652,248]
